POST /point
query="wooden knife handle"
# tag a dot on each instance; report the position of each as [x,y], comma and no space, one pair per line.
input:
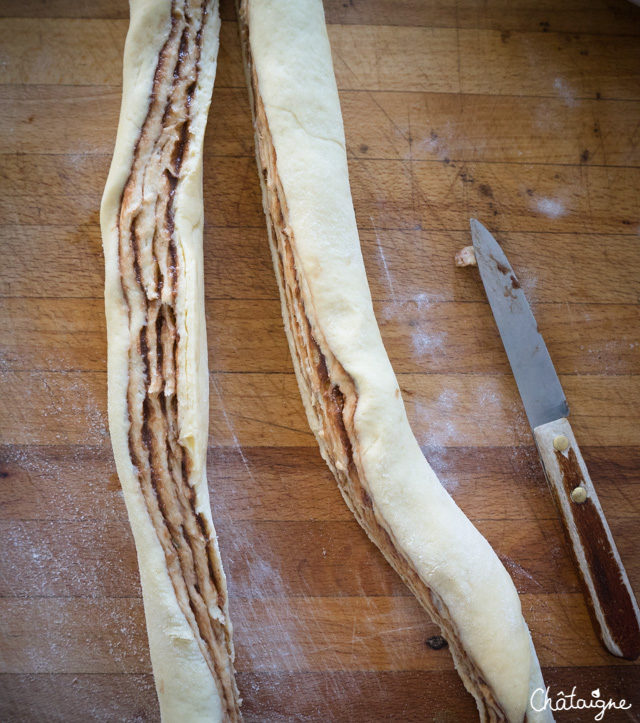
[611,601]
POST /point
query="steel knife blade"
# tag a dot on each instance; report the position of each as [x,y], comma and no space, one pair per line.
[613,607]
[535,375]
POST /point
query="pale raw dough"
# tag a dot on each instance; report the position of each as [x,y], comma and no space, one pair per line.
[187,689]
[291,59]
[466,257]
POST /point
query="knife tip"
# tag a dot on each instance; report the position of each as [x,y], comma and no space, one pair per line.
[476,228]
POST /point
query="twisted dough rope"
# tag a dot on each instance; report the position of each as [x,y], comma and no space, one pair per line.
[152,221]
[350,393]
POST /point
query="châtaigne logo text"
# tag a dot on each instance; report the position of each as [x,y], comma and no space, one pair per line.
[543,699]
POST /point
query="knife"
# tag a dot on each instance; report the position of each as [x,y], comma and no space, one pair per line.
[612,604]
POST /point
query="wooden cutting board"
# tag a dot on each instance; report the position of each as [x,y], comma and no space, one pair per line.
[524,114]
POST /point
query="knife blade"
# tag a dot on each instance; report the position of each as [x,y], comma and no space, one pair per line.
[612,604]
[532,367]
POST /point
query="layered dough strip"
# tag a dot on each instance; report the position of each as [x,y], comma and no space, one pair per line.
[350,393]
[158,385]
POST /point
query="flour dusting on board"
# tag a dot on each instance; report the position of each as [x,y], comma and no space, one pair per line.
[409,317]
[424,343]
[60,575]
[565,91]
[517,571]
[551,207]
[67,399]
[439,419]
[383,258]
[439,458]
[268,646]
[47,560]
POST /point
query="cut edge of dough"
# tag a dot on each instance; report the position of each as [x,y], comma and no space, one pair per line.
[185,686]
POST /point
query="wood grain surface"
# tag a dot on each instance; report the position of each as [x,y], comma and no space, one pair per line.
[525,114]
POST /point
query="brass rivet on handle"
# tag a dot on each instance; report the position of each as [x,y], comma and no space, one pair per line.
[560,443]
[579,495]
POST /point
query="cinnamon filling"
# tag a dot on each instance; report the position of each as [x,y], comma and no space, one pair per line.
[331,397]
[153,286]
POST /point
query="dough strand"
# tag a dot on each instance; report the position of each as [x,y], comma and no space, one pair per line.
[152,221]
[351,395]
